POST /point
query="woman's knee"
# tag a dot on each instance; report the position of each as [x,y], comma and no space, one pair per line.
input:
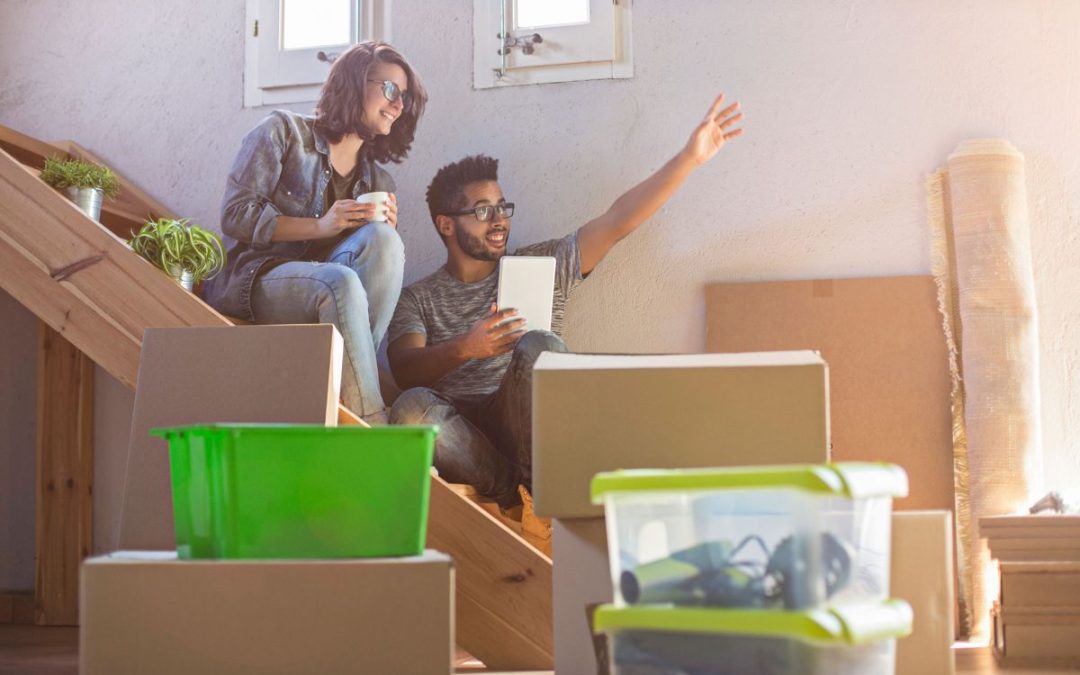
[379,243]
[385,237]
[341,286]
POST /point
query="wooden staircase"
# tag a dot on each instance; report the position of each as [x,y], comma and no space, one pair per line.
[95,298]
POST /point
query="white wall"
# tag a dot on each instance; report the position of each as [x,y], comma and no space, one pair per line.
[849,105]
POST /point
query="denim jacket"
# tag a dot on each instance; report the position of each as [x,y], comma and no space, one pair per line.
[283,169]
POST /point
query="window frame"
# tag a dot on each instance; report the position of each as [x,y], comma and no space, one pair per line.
[487,19]
[374,25]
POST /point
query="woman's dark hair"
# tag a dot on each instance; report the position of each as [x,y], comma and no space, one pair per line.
[446,191]
[340,110]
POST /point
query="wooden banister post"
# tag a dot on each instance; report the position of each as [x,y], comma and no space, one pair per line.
[64,476]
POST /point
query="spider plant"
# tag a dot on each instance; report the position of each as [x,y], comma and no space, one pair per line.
[185,251]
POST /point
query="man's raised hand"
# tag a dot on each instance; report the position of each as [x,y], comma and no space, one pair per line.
[714,131]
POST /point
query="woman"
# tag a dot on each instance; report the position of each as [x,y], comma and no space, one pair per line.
[301,248]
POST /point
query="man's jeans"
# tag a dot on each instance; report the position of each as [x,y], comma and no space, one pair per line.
[356,291]
[486,443]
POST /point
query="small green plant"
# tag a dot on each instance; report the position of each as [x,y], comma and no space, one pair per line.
[177,245]
[65,173]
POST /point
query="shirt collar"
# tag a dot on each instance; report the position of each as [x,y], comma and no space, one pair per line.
[365,175]
[321,146]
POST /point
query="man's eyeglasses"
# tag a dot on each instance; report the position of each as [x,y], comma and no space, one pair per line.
[486,212]
[391,92]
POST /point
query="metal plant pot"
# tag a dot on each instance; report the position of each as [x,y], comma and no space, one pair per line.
[185,278]
[87,199]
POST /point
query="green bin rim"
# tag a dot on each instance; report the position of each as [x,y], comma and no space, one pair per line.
[206,429]
[854,480]
[839,626]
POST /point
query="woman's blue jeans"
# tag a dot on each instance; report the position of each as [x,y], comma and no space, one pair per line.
[357,290]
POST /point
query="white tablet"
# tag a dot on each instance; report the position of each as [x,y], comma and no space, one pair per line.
[527,284]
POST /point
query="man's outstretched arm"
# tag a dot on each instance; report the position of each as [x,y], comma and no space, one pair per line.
[634,207]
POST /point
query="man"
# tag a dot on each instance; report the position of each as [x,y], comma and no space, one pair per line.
[466,366]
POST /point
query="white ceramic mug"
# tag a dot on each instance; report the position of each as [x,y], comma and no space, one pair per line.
[379,199]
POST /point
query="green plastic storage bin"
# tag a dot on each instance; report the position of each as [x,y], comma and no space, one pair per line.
[299,491]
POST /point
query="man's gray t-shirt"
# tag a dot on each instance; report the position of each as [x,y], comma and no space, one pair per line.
[441,308]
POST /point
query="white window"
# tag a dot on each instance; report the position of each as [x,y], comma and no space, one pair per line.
[538,41]
[290,44]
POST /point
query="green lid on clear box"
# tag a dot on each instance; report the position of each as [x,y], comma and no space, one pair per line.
[840,626]
[854,480]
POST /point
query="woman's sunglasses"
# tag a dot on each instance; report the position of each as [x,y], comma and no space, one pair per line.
[392,92]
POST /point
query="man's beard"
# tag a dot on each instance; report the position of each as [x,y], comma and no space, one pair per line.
[475,247]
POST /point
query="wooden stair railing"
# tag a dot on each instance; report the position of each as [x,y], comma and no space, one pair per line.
[81,279]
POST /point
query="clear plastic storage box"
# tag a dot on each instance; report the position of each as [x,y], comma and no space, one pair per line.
[853,640]
[775,537]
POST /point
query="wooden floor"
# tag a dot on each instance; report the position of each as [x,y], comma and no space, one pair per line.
[39,649]
[34,650]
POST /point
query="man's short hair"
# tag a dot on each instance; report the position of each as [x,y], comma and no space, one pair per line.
[446,192]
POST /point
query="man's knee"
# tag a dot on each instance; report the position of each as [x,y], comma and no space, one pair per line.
[419,405]
[535,342]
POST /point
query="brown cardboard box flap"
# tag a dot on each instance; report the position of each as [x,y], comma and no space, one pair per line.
[922,574]
[288,374]
[888,366]
[582,580]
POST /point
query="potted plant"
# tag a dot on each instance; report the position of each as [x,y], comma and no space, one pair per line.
[183,250]
[84,183]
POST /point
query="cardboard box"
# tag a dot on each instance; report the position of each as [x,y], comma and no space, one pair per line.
[1032,538]
[922,574]
[1039,526]
[289,374]
[1034,550]
[151,613]
[594,413]
[1040,585]
[582,580]
[1036,635]
[889,381]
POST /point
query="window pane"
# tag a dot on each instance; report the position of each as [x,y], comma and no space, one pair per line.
[315,23]
[540,13]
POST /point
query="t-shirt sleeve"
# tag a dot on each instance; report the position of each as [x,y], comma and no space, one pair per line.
[407,317]
[567,260]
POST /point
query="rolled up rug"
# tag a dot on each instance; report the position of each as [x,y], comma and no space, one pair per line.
[981,259]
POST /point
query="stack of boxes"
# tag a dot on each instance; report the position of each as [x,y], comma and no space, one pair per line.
[1037,614]
[595,413]
[298,549]
[770,569]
